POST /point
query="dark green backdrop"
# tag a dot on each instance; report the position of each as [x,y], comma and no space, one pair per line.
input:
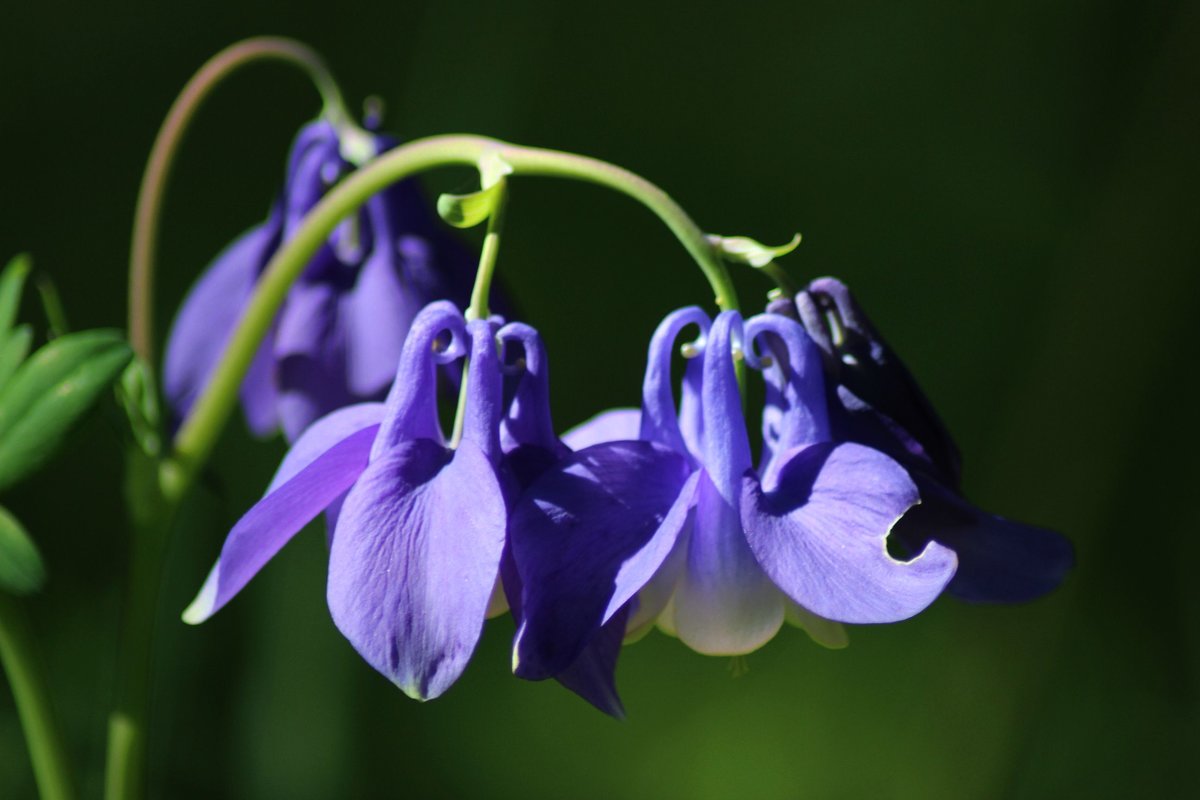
[1011,188]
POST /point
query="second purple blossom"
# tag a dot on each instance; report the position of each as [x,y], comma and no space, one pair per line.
[337,338]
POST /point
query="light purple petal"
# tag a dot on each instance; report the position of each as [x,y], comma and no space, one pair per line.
[319,437]
[586,537]
[275,519]
[412,411]
[414,561]
[209,314]
[660,417]
[822,535]
[653,598]
[483,408]
[378,310]
[824,632]
[726,446]
[259,395]
[724,603]
[614,425]
[323,435]
[795,413]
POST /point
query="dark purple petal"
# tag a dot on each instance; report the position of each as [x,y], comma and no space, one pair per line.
[822,535]
[275,519]
[874,381]
[999,560]
[592,675]
[614,425]
[527,419]
[586,537]
[207,318]
[309,351]
[414,562]
[661,420]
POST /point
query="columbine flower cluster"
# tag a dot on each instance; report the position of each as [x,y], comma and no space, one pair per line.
[660,515]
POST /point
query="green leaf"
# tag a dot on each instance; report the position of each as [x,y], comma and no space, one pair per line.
[744,250]
[13,350]
[468,210]
[56,316]
[21,570]
[12,282]
[49,392]
[139,398]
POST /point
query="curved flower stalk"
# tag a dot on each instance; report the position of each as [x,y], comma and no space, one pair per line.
[337,338]
[874,400]
[677,525]
[417,525]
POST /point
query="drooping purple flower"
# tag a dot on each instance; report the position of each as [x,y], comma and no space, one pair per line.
[416,547]
[678,525]
[875,400]
[338,335]
[418,525]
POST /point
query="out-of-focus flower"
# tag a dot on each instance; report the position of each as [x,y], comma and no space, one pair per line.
[338,336]
[875,400]
[678,525]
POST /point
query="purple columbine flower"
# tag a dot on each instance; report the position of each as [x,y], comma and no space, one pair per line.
[875,400]
[417,526]
[677,525]
[338,335]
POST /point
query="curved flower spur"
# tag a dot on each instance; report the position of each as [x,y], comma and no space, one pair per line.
[875,400]
[678,525]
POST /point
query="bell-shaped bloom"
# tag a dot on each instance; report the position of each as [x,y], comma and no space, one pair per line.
[679,526]
[875,400]
[417,526]
[416,547]
[338,335]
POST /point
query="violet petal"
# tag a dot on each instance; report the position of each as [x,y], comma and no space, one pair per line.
[822,535]
[414,561]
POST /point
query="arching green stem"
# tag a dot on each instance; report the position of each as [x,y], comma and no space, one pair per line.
[199,432]
[162,157]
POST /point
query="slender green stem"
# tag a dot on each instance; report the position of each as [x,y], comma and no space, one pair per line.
[152,510]
[481,291]
[199,432]
[478,309]
[783,281]
[28,681]
[144,245]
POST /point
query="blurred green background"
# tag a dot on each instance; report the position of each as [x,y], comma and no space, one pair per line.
[1011,188]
